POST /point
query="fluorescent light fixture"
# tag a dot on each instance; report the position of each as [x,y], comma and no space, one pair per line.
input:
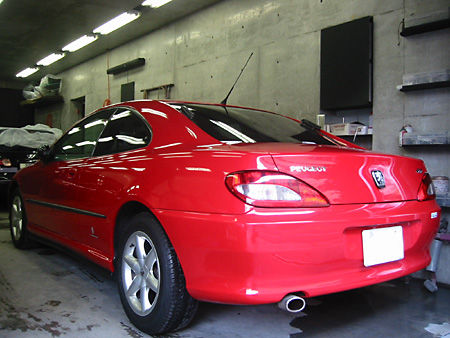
[117,22]
[50,59]
[155,3]
[27,72]
[80,43]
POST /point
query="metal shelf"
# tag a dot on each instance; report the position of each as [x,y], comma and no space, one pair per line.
[423,86]
[43,101]
[426,27]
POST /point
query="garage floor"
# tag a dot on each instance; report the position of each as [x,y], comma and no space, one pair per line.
[45,293]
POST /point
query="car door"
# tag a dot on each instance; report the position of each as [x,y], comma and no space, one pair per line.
[55,205]
[107,177]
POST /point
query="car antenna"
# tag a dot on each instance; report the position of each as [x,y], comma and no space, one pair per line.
[242,70]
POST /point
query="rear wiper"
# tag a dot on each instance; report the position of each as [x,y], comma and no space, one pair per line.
[185,110]
[310,125]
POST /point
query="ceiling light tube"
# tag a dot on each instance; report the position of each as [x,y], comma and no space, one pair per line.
[155,3]
[80,43]
[117,22]
[27,72]
[50,59]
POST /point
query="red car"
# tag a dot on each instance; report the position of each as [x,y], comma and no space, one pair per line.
[188,202]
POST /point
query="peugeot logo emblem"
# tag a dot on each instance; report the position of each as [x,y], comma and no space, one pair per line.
[378,178]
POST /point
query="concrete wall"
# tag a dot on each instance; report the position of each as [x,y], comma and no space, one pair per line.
[13,84]
[203,54]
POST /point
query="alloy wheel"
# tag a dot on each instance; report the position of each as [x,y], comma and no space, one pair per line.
[140,273]
[16,218]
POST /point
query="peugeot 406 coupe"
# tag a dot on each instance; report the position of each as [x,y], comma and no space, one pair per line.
[188,202]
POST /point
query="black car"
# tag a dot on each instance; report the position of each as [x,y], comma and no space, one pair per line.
[13,159]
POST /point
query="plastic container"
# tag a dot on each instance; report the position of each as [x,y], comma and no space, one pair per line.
[416,20]
[443,200]
[435,251]
[428,77]
[414,138]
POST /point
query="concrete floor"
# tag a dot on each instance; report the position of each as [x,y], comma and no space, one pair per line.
[45,293]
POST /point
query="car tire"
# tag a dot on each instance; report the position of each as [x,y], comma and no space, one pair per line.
[151,282]
[18,223]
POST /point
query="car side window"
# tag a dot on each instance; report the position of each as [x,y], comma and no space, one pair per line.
[80,140]
[126,130]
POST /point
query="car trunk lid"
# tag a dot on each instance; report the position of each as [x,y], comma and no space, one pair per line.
[347,176]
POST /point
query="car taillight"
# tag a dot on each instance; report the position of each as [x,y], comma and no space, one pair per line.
[426,190]
[272,189]
[6,162]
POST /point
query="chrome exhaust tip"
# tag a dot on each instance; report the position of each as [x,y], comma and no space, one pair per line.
[292,303]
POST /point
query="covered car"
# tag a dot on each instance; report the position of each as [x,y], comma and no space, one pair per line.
[18,147]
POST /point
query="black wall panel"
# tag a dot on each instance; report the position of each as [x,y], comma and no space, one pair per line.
[346,65]
[127,92]
[12,114]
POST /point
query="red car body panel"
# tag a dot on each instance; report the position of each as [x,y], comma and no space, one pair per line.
[261,256]
[232,252]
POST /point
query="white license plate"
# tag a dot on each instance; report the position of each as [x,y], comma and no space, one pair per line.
[382,245]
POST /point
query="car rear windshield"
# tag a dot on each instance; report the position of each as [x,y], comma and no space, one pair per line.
[236,125]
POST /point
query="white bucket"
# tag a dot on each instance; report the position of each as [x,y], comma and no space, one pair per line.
[440,184]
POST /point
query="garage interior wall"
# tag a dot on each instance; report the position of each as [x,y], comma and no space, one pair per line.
[202,55]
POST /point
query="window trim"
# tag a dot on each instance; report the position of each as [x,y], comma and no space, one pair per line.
[135,113]
[81,122]
[113,110]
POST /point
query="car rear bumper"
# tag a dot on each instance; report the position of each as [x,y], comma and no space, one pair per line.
[261,256]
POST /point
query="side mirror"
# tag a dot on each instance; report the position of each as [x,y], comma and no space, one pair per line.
[45,153]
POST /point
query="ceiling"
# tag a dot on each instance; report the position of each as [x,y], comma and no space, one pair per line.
[30,29]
